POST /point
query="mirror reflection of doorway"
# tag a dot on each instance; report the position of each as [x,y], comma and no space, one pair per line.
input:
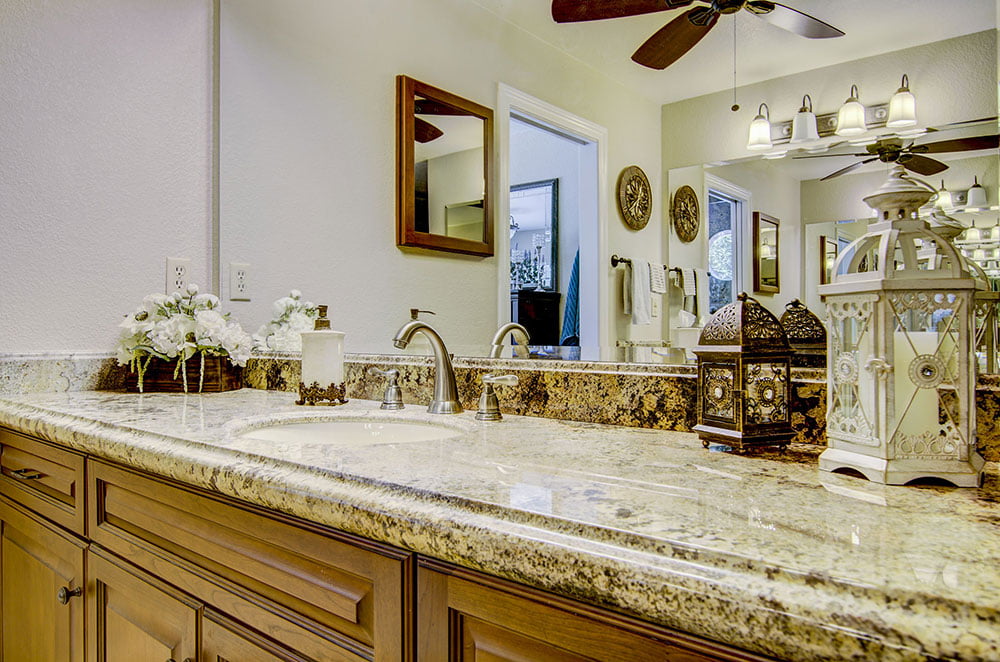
[553,178]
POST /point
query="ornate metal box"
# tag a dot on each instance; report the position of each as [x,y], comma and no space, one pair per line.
[806,335]
[744,385]
[900,389]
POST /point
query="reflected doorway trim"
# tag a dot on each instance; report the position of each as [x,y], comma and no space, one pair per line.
[743,239]
[511,101]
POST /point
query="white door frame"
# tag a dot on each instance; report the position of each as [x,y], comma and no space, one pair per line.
[594,310]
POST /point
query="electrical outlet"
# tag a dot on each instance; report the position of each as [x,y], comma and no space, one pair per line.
[177,274]
[239,281]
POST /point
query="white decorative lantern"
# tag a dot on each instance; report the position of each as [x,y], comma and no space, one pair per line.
[901,371]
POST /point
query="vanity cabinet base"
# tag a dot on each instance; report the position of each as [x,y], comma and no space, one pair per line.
[466,616]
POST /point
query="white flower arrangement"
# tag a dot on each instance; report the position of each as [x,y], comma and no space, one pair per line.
[292,316]
[176,328]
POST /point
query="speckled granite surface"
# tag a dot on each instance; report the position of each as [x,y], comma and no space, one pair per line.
[59,371]
[771,556]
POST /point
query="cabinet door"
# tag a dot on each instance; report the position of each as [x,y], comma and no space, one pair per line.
[470,617]
[36,561]
[134,616]
[224,640]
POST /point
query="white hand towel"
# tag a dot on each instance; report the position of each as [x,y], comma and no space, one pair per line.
[702,295]
[657,278]
[642,298]
[690,288]
[627,289]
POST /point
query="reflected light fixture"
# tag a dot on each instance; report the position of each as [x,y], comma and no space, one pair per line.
[851,118]
[943,198]
[760,130]
[902,107]
[976,196]
[804,123]
[995,231]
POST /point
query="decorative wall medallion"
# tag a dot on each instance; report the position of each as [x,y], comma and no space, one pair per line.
[635,198]
[685,214]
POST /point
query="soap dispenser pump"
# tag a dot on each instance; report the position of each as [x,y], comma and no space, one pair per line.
[322,364]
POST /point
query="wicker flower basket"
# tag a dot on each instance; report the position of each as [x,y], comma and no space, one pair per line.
[220,375]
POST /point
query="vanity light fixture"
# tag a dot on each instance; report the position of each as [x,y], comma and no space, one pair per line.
[902,107]
[976,197]
[804,128]
[943,198]
[760,130]
[851,118]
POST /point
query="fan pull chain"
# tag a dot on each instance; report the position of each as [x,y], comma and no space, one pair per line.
[735,107]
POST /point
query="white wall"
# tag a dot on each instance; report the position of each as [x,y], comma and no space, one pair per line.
[453,179]
[307,163]
[106,169]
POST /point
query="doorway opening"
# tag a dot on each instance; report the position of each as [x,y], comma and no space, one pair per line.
[548,260]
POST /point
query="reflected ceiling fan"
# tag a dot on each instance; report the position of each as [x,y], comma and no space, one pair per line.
[680,35]
[911,157]
[424,131]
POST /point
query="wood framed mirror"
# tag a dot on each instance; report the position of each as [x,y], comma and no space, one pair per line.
[444,177]
[765,253]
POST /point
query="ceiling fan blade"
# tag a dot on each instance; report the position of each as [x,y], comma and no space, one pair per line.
[424,131]
[921,165]
[794,21]
[959,145]
[431,107]
[675,38]
[571,11]
[826,156]
[844,171]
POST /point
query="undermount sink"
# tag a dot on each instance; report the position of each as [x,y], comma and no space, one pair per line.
[351,432]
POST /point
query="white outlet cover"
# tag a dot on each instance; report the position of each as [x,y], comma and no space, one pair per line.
[239,281]
[177,274]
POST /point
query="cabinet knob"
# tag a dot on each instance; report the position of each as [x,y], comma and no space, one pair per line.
[65,594]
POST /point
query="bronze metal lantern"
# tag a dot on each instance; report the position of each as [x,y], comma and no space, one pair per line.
[744,381]
[806,335]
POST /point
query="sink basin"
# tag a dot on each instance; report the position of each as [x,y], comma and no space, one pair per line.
[351,432]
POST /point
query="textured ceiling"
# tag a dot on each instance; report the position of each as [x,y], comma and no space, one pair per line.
[765,51]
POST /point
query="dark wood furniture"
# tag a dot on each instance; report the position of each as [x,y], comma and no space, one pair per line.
[538,312]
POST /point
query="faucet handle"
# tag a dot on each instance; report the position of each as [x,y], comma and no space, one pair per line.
[500,380]
[392,398]
[489,405]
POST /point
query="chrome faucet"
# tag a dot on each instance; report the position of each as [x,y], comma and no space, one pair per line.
[445,389]
[520,335]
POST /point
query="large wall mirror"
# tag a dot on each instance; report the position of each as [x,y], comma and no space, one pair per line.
[444,150]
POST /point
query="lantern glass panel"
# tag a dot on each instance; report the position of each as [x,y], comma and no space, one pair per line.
[852,340]
[766,384]
[926,356]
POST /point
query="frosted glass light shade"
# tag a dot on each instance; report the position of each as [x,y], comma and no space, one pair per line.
[902,107]
[760,130]
[944,198]
[804,123]
[995,233]
[851,117]
[976,196]
[979,254]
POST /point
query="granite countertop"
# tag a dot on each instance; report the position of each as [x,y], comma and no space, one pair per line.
[760,552]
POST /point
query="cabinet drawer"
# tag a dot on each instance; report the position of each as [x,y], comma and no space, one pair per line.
[290,579]
[43,477]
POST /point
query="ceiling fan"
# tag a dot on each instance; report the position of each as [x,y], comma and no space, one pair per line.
[911,157]
[680,35]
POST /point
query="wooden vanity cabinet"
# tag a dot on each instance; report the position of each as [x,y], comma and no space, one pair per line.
[41,569]
[466,616]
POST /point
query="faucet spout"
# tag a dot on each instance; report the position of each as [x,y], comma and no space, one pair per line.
[520,335]
[445,388]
